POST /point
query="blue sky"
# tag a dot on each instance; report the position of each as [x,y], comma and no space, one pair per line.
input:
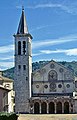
[52,23]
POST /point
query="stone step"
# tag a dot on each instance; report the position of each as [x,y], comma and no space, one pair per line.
[47,117]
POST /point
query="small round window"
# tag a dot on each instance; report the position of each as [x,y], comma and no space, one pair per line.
[60,86]
[67,85]
[52,65]
[46,86]
[37,86]
[61,70]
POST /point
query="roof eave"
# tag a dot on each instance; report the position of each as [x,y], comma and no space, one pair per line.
[23,35]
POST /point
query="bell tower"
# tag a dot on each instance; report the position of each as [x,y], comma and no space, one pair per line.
[23,66]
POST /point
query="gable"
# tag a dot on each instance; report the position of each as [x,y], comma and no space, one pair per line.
[55,70]
[53,78]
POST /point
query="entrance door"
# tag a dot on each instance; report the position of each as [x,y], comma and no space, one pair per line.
[66,107]
[51,108]
[43,108]
[59,107]
[36,108]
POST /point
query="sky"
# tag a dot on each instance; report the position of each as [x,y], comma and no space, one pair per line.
[52,23]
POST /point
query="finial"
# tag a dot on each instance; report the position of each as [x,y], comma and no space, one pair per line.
[22,8]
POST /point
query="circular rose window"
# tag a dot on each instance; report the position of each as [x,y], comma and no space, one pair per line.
[37,86]
[46,86]
[61,70]
[60,86]
[67,85]
[52,85]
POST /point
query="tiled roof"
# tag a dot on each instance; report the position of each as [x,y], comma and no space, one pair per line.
[5,79]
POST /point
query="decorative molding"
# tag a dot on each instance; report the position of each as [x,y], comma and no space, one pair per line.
[52,94]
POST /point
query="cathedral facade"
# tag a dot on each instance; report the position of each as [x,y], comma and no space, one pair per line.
[51,89]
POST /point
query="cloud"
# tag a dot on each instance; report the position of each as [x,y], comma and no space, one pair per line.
[45,59]
[50,5]
[6,49]
[69,52]
[40,43]
[40,27]
[69,8]
[6,58]
[50,42]
[19,7]
[6,65]
[36,54]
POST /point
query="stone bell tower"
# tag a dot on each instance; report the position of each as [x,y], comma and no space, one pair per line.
[23,66]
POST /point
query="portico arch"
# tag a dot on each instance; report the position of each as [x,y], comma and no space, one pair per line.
[66,107]
[51,108]
[36,108]
[43,108]
[59,107]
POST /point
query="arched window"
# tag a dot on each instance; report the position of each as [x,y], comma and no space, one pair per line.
[24,47]
[19,48]
[24,67]
[52,75]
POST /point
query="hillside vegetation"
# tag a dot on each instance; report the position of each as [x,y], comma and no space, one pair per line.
[37,65]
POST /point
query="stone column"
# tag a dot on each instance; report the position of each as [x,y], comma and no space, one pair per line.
[40,107]
[33,108]
[47,107]
[55,108]
[69,107]
[74,111]
[62,107]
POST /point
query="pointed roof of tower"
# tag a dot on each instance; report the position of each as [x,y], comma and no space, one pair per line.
[22,28]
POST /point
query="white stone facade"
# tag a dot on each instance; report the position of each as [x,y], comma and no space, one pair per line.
[58,79]
[51,89]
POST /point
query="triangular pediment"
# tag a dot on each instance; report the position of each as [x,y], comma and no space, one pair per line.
[62,71]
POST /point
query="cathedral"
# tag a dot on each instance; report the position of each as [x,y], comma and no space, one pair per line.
[49,90]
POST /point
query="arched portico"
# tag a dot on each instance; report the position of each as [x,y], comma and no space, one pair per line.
[43,108]
[36,108]
[59,108]
[51,108]
[66,107]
